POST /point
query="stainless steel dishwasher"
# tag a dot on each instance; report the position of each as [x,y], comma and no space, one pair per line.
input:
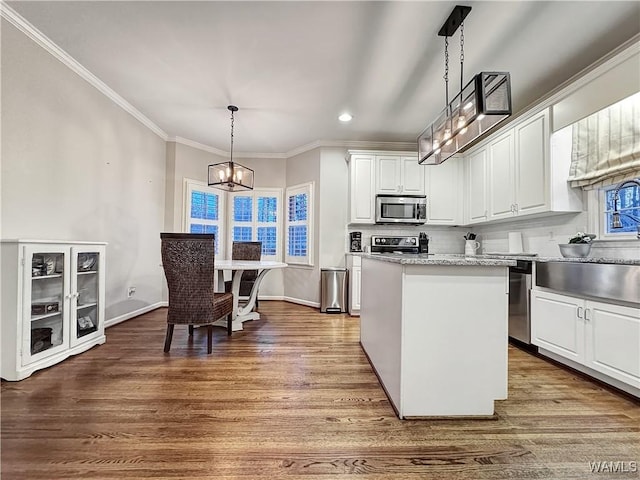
[519,301]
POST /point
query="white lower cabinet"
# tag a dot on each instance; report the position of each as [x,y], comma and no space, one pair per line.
[354,265]
[52,303]
[601,336]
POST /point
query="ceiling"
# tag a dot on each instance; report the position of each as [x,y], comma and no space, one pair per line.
[293,67]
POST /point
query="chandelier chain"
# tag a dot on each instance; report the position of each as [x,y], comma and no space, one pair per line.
[231,151]
[461,54]
[446,69]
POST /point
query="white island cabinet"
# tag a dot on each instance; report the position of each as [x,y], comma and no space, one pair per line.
[435,331]
[52,303]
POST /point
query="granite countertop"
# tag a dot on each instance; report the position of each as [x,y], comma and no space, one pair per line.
[486,259]
[440,259]
[536,258]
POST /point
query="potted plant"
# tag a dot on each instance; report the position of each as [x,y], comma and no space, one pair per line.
[579,245]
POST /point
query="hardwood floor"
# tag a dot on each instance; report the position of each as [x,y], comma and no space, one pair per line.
[292,396]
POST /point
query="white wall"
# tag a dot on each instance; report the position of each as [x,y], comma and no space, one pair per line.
[75,166]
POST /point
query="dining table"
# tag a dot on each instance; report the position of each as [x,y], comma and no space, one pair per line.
[244,312]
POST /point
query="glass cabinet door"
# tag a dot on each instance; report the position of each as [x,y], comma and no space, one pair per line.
[86,322]
[45,290]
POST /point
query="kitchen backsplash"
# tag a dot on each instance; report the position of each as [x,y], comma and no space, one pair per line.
[540,236]
[441,239]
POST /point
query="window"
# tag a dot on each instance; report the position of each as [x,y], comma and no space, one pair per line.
[299,205]
[255,216]
[203,211]
[628,206]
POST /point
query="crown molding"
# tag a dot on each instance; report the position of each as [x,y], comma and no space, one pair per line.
[223,153]
[40,39]
[199,146]
[359,144]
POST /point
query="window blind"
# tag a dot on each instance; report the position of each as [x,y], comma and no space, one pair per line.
[606,146]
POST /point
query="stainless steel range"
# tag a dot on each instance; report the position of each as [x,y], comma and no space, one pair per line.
[396,244]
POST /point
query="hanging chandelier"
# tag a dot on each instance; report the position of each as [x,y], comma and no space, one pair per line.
[479,106]
[229,175]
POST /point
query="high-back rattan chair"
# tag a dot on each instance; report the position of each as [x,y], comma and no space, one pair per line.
[188,260]
[245,251]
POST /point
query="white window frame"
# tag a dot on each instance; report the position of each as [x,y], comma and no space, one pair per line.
[307,188]
[597,206]
[255,193]
[189,186]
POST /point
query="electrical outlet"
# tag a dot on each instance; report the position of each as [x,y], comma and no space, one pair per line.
[551,237]
[131,291]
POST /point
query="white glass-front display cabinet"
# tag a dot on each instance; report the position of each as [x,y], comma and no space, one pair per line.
[44,328]
[52,303]
[88,297]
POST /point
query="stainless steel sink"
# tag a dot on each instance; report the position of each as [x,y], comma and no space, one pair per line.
[607,281]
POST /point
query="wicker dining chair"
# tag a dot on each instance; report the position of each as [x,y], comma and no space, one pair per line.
[245,251]
[188,260]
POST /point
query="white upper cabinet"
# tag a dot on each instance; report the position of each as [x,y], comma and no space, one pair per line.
[476,168]
[412,175]
[524,174]
[532,165]
[361,188]
[372,173]
[501,177]
[399,175]
[445,193]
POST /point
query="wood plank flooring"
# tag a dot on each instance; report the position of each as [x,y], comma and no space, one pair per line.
[292,396]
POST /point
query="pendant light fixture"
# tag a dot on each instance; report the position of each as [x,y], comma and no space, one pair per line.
[479,106]
[229,175]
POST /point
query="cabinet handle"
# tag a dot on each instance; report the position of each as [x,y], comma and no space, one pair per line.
[587,319]
[515,208]
[579,312]
[512,208]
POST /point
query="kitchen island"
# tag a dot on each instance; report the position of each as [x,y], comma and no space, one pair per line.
[434,328]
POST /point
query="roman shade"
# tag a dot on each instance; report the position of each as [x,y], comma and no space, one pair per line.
[606,146]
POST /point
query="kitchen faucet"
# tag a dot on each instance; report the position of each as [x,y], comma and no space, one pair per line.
[615,217]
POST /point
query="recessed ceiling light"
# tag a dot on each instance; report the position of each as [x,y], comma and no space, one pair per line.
[345,117]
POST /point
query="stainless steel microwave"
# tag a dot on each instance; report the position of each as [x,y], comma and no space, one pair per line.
[411,209]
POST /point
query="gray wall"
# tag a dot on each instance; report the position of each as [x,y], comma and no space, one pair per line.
[75,166]
[302,283]
[186,162]
[334,207]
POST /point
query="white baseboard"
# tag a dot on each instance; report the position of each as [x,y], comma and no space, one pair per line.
[114,321]
[270,297]
[299,301]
